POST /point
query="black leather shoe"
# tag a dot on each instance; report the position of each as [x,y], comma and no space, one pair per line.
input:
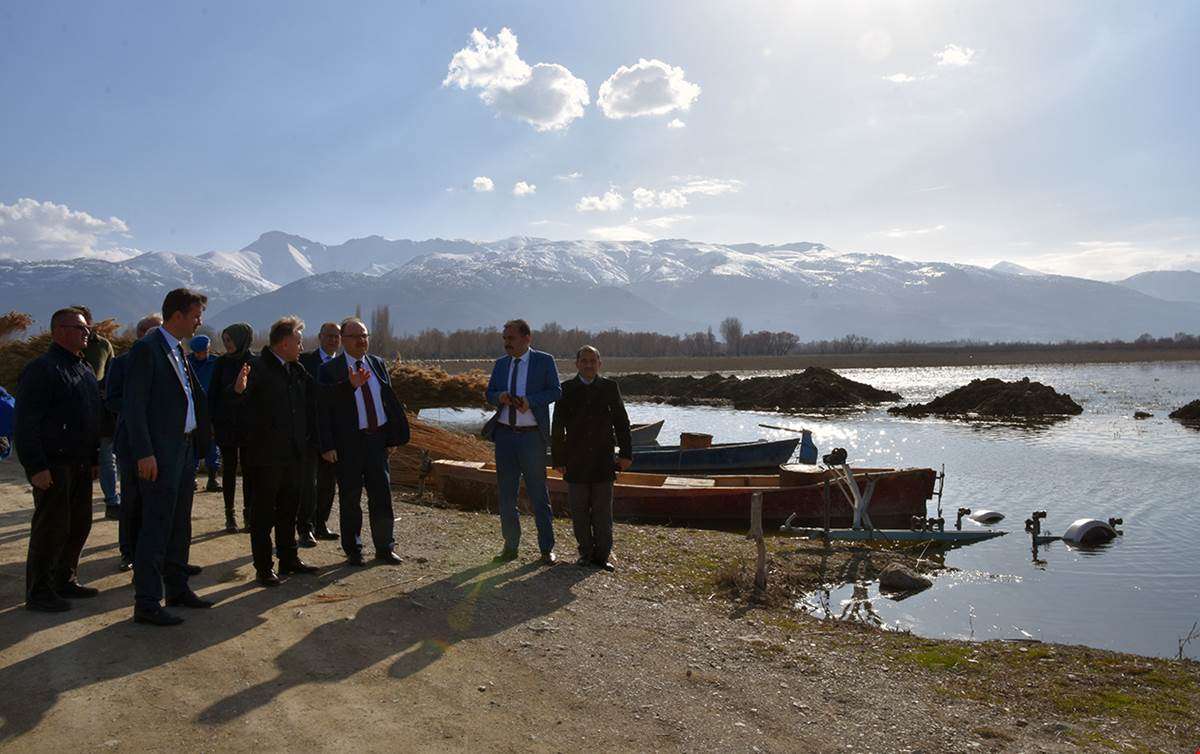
[306,540]
[268,578]
[355,560]
[607,565]
[125,565]
[192,570]
[188,599]
[73,590]
[156,617]
[388,557]
[212,486]
[298,566]
[47,603]
[506,555]
[549,558]
[230,525]
[112,513]
[326,535]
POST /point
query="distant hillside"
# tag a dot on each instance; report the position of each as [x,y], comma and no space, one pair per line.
[1174,285]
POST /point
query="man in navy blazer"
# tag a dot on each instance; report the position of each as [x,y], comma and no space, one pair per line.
[165,418]
[523,385]
[359,418]
[317,483]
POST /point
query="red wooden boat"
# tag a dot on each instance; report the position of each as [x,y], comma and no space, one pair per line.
[714,501]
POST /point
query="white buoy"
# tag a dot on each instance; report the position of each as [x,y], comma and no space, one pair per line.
[1089,531]
[986,517]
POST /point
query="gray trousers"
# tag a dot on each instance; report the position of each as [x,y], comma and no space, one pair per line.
[591,513]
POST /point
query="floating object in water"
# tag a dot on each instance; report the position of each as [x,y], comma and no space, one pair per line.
[1033,525]
[985,516]
[1091,531]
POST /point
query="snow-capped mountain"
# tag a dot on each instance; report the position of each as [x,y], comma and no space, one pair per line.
[1170,285]
[1012,268]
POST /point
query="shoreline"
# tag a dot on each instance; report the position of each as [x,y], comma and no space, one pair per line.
[796,362]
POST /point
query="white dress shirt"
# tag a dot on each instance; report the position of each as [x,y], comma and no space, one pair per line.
[326,357]
[524,418]
[189,424]
[372,384]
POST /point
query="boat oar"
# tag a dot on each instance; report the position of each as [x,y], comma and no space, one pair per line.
[785,429]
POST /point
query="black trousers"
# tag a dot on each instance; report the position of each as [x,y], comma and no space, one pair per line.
[229,482]
[316,501]
[591,516]
[364,464]
[62,520]
[276,497]
[164,536]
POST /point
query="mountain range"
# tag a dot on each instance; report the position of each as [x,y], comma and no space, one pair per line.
[670,285]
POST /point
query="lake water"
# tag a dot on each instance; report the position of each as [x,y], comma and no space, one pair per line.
[1139,594]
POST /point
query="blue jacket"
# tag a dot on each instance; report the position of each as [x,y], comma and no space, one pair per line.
[541,386]
[154,406]
[6,421]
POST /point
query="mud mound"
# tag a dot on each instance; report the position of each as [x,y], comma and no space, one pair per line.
[814,388]
[997,398]
[1189,414]
[419,386]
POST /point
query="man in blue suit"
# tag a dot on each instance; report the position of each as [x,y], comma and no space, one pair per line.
[523,385]
[165,416]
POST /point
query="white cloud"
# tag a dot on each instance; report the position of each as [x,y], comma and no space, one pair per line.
[910,232]
[572,176]
[610,202]
[638,230]
[955,56]
[676,123]
[1113,260]
[649,87]
[709,186]
[644,198]
[521,188]
[482,183]
[546,95]
[666,221]
[35,230]
[900,78]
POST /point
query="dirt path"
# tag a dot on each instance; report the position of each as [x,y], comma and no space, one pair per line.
[450,652]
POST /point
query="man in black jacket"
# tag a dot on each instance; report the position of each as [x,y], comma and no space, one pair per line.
[57,433]
[316,499]
[360,418]
[275,396]
[589,420]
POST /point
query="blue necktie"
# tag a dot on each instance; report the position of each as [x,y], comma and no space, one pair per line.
[512,393]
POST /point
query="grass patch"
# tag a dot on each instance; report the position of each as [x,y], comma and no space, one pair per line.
[940,657]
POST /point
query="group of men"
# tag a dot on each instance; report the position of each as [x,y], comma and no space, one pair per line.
[297,422]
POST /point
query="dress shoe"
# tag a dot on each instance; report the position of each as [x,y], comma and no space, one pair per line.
[192,570]
[112,513]
[268,578]
[156,617]
[549,558]
[47,603]
[306,540]
[297,566]
[355,559]
[73,590]
[231,526]
[326,535]
[212,486]
[125,565]
[188,599]
[606,565]
[506,555]
[389,557]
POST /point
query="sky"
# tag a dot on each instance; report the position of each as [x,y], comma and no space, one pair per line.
[1060,136]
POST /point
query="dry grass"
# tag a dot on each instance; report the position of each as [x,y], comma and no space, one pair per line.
[423,386]
[404,462]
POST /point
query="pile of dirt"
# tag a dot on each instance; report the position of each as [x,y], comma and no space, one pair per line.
[814,388]
[994,397]
[1189,414]
[419,386]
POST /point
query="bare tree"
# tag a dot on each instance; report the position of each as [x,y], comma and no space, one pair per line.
[731,331]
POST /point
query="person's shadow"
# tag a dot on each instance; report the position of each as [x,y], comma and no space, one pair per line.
[417,628]
[124,648]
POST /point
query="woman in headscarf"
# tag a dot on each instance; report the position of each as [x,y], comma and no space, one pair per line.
[226,435]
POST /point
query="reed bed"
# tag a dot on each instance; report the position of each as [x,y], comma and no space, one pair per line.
[421,386]
[404,462]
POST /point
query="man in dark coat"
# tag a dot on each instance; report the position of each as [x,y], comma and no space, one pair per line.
[236,338]
[165,415]
[589,420]
[360,418]
[273,393]
[131,505]
[57,433]
[316,501]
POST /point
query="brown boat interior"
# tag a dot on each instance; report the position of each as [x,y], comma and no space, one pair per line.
[792,475]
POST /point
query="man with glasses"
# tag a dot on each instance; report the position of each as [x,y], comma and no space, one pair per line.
[57,428]
[360,417]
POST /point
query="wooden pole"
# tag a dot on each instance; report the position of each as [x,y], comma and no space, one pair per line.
[756,533]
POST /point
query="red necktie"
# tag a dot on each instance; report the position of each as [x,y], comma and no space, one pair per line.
[368,401]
